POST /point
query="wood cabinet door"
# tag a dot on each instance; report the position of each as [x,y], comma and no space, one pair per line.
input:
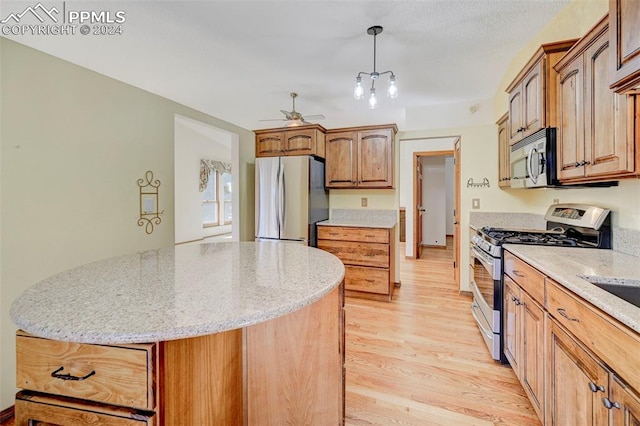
[515,124]
[375,159]
[624,36]
[627,410]
[532,351]
[571,371]
[299,142]
[512,332]
[341,162]
[571,120]
[504,151]
[533,100]
[606,146]
[270,144]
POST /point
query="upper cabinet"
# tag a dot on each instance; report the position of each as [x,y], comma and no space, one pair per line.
[532,94]
[360,157]
[624,37]
[504,167]
[595,130]
[302,140]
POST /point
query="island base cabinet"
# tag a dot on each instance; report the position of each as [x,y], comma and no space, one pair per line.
[292,378]
[201,380]
[33,408]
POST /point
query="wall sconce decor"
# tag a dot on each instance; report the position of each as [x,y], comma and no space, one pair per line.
[149,214]
[472,184]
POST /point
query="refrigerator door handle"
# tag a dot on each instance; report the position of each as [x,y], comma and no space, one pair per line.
[280,199]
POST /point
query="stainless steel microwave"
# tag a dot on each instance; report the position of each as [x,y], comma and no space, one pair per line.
[533,160]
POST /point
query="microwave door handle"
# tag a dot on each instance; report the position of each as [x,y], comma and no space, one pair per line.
[533,178]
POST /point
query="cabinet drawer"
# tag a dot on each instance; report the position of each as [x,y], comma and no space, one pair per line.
[530,279]
[367,279]
[361,254]
[342,233]
[123,374]
[32,408]
[610,340]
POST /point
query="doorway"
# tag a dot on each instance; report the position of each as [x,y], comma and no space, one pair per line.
[195,142]
[433,200]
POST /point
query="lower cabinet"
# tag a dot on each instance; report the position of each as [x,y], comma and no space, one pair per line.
[577,364]
[524,341]
[577,382]
[368,255]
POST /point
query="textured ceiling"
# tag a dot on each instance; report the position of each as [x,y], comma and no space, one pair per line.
[238,60]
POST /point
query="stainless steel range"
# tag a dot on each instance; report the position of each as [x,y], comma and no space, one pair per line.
[568,225]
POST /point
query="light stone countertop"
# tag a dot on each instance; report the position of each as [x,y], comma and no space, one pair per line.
[565,264]
[175,293]
[358,223]
[362,218]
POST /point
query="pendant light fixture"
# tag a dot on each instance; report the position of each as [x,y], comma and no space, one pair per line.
[392,90]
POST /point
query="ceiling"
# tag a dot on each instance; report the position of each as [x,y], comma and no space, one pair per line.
[239,60]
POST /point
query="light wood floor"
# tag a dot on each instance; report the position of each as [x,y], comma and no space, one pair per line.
[420,359]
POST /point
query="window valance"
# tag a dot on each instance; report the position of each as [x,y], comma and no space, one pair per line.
[207,166]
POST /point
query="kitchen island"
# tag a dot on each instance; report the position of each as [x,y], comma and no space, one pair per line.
[226,333]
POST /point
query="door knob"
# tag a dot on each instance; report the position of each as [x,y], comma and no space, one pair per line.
[421,209]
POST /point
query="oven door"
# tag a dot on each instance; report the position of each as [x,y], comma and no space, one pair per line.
[486,298]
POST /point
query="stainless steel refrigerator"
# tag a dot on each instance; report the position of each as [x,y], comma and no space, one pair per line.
[290,198]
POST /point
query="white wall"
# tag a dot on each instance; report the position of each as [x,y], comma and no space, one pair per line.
[195,141]
[411,142]
[434,201]
[73,144]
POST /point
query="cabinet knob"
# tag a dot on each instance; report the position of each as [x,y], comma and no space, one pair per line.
[609,405]
[595,388]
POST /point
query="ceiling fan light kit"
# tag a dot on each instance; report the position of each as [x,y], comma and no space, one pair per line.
[358,90]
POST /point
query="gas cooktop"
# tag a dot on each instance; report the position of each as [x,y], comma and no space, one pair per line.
[499,236]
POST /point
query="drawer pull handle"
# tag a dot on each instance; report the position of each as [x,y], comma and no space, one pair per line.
[68,376]
[369,281]
[563,312]
[518,273]
[369,236]
[595,388]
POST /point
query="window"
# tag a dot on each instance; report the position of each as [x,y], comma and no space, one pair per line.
[216,199]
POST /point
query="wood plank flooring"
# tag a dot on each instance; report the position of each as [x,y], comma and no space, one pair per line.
[420,359]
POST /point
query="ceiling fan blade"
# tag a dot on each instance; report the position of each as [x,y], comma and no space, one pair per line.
[315,117]
[288,114]
[274,119]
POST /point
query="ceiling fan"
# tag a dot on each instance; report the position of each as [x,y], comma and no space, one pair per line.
[294,117]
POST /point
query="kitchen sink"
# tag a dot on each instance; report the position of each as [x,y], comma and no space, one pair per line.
[625,289]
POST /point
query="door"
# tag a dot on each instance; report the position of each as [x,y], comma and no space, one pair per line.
[456,212]
[511,318]
[295,198]
[419,209]
[571,120]
[532,100]
[531,359]
[268,197]
[515,124]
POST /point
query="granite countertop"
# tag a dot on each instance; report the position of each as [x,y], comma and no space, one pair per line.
[176,293]
[360,223]
[362,218]
[566,264]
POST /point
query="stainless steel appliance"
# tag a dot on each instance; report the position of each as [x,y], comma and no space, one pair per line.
[290,198]
[533,160]
[568,225]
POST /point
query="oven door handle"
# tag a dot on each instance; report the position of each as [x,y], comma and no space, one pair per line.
[474,308]
[488,264]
